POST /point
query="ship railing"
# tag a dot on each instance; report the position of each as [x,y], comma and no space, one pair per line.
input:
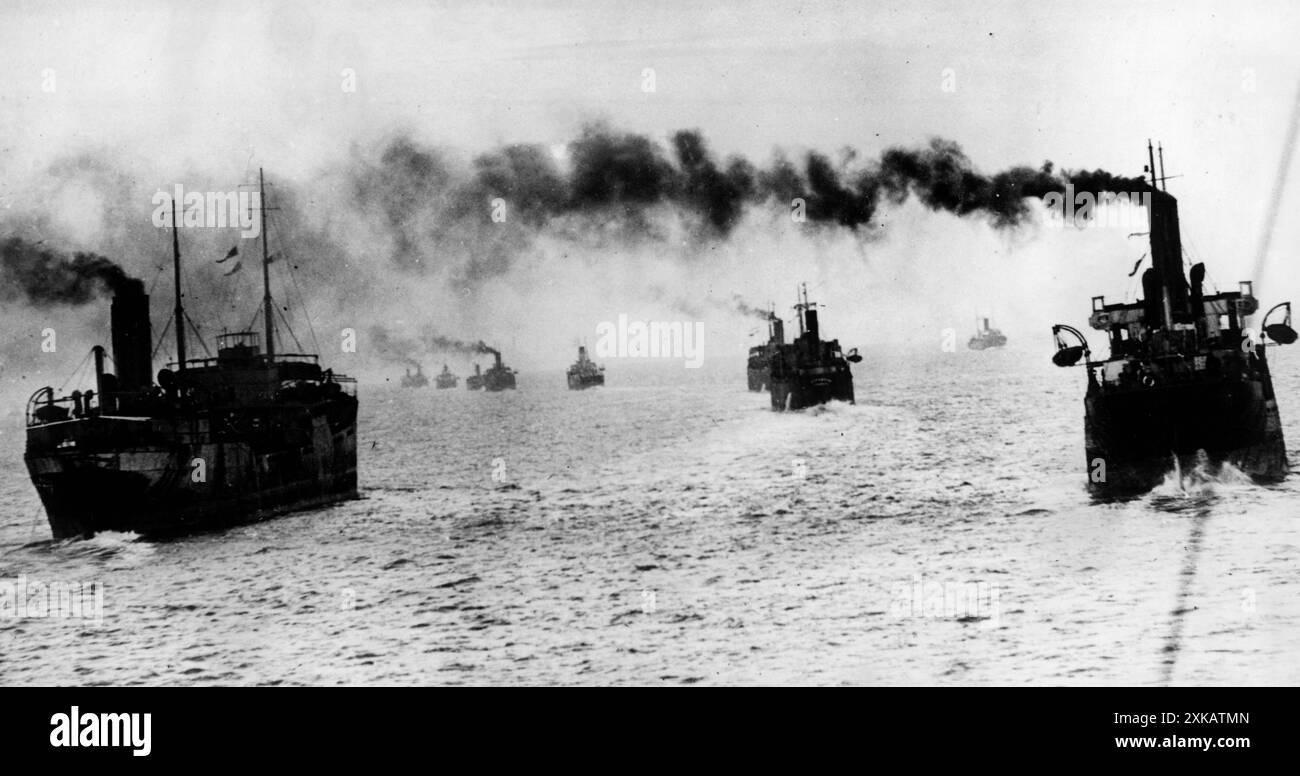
[261,359]
[44,407]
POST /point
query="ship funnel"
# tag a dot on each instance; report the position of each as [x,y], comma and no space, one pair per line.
[810,323]
[582,352]
[778,331]
[1167,252]
[132,338]
[497,356]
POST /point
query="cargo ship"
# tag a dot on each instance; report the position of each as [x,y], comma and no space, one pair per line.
[986,336]
[218,441]
[1186,379]
[810,371]
[584,373]
[758,369]
[446,379]
[498,377]
[417,380]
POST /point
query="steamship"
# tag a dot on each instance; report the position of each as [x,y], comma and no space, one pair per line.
[235,438]
[498,377]
[986,336]
[758,371]
[810,371]
[1185,378]
[584,373]
[446,379]
[417,380]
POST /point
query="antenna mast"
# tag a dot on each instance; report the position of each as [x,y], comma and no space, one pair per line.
[266,276]
[180,310]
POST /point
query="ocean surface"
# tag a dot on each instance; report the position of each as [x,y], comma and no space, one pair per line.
[670,529]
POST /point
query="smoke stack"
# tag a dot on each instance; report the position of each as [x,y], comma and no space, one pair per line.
[497,355]
[810,323]
[132,338]
[986,324]
[1167,252]
[478,370]
[582,352]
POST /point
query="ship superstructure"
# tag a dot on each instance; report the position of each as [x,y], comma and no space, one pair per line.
[216,441]
[417,380]
[446,379]
[584,373]
[986,336]
[809,370]
[758,370]
[1186,376]
[497,377]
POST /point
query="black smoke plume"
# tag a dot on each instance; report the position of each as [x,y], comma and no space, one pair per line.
[748,310]
[43,277]
[441,344]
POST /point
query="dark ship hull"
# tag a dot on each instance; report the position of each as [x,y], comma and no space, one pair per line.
[986,342]
[579,382]
[217,442]
[494,380]
[443,383]
[810,387]
[498,377]
[758,371]
[1141,434]
[139,474]
[1187,381]
[585,373]
[809,371]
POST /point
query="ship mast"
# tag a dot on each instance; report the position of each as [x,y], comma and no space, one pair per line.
[180,310]
[1164,281]
[266,276]
[802,306]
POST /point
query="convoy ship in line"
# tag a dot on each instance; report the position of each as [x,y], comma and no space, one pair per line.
[1185,377]
[215,442]
[498,377]
[584,373]
[758,371]
[986,336]
[446,379]
[810,371]
[417,380]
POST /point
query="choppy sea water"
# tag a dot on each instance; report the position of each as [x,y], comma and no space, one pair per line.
[670,529]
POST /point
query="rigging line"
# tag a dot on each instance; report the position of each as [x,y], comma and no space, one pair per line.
[282,254]
[302,299]
[154,284]
[199,335]
[162,338]
[291,334]
[76,371]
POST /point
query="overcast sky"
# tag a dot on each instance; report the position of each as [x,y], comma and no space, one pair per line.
[1082,84]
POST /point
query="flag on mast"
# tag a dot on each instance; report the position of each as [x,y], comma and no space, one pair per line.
[233,252]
